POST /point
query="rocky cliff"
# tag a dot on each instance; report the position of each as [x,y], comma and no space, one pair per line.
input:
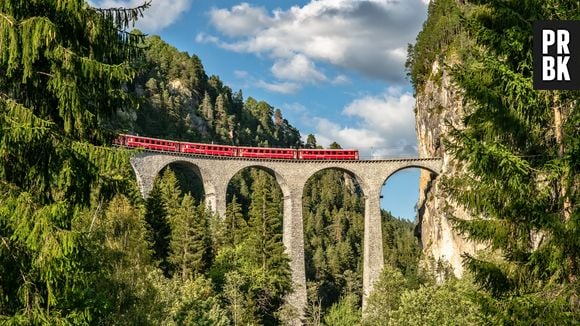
[439,105]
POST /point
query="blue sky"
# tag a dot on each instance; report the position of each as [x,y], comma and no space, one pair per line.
[334,67]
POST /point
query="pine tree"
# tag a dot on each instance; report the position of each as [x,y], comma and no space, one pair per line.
[120,241]
[265,227]
[189,243]
[63,66]
[310,141]
[235,225]
[262,255]
[206,109]
[519,148]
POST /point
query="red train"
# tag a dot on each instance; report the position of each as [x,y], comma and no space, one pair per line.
[235,151]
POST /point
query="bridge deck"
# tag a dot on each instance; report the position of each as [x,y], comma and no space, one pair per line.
[237,158]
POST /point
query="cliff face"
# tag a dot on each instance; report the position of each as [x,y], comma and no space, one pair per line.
[438,105]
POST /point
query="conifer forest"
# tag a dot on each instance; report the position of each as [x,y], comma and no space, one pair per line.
[79,245]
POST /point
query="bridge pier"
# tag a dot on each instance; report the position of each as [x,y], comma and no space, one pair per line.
[215,194]
[373,259]
[293,238]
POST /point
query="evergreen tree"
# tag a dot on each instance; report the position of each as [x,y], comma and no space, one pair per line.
[206,108]
[63,67]
[255,252]
[240,305]
[310,141]
[519,148]
[333,230]
[235,225]
[189,245]
[119,238]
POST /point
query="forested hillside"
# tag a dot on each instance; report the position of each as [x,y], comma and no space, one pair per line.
[177,100]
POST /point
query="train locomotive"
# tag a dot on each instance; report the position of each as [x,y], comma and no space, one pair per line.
[163,145]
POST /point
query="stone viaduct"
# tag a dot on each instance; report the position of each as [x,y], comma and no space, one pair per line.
[216,172]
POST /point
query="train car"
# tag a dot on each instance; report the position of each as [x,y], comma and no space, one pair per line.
[120,140]
[208,149]
[232,151]
[150,143]
[272,153]
[327,154]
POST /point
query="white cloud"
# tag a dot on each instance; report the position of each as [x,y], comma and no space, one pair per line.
[161,14]
[297,68]
[386,126]
[204,38]
[341,80]
[281,87]
[367,36]
[241,20]
[241,74]
[294,107]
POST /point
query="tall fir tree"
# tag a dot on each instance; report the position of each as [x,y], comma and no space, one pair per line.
[520,150]
[63,66]
[235,224]
[190,244]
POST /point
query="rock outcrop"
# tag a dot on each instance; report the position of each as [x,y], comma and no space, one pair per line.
[439,105]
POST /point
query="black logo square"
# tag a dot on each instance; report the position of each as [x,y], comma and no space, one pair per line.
[557,54]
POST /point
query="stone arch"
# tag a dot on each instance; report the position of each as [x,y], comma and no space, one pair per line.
[280,179]
[208,190]
[427,175]
[362,183]
[422,188]
[422,167]
[189,165]
[362,189]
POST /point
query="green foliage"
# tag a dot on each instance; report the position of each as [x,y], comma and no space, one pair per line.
[190,245]
[179,101]
[198,304]
[63,67]
[119,241]
[333,231]
[519,149]
[346,312]
[441,29]
[395,301]
[385,298]
[241,305]
[448,304]
[401,247]
[251,266]
[235,224]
